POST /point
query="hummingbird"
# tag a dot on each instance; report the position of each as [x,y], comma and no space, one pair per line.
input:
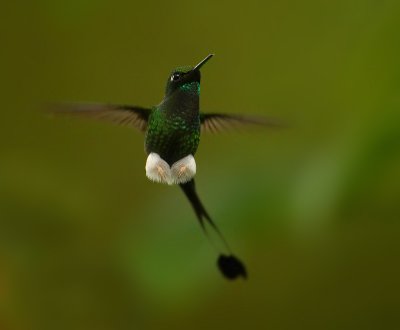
[172,132]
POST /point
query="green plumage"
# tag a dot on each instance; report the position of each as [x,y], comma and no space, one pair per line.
[173,129]
[172,136]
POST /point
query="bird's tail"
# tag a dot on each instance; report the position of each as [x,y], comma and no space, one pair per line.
[230,266]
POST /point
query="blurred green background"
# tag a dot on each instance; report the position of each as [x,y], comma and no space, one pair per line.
[87,242]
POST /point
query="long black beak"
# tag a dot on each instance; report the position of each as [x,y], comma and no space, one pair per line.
[198,66]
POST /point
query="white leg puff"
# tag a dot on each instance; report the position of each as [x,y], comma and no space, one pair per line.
[158,170]
[183,170]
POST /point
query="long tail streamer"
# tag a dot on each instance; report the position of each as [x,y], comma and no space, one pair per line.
[229,265]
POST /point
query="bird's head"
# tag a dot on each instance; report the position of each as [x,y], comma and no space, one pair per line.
[186,78]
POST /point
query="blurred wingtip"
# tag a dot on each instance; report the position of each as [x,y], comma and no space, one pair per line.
[52,109]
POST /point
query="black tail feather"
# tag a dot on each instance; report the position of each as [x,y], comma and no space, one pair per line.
[190,191]
[230,266]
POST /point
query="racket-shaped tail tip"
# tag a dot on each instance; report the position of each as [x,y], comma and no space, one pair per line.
[231,267]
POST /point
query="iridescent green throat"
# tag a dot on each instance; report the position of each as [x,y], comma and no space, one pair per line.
[191,87]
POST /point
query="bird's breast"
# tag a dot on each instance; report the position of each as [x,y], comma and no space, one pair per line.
[173,137]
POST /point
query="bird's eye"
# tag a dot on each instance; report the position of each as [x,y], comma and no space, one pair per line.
[176,76]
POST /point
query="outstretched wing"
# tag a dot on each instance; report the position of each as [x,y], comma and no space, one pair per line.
[126,115]
[217,122]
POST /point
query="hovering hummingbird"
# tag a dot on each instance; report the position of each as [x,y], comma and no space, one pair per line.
[172,134]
